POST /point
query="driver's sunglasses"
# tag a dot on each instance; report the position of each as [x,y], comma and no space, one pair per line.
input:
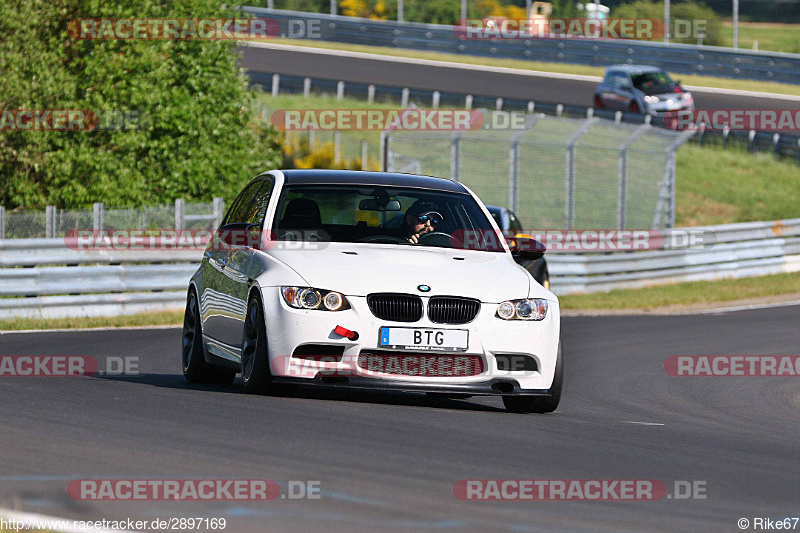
[435,218]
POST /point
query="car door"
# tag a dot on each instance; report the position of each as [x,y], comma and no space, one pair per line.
[238,272]
[217,303]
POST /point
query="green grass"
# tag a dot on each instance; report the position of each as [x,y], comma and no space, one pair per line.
[775,37]
[696,292]
[563,68]
[718,186]
[160,318]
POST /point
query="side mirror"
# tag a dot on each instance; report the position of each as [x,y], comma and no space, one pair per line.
[527,249]
[240,234]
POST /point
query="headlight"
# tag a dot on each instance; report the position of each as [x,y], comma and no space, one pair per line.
[525,309]
[687,96]
[311,298]
[651,99]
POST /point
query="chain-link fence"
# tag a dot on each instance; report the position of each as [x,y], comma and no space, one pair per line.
[555,172]
[54,222]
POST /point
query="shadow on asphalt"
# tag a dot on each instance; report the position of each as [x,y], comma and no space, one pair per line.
[411,399]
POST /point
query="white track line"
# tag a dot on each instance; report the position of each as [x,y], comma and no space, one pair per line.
[497,70]
[32,520]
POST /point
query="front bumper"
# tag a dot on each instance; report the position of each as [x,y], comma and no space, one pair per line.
[492,387]
[289,328]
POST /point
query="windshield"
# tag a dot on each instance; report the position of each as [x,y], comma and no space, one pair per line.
[383,215]
[653,82]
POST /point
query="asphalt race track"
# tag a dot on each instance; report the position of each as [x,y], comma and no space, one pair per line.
[388,462]
[296,61]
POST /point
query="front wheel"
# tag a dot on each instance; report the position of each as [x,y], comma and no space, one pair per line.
[195,367]
[539,404]
[256,375]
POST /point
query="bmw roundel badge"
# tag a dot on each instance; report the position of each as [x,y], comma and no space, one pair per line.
[424,288]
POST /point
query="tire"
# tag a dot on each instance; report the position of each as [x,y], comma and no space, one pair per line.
[634,107]
[539,404]
[193,361]
[256,376]
[598,102]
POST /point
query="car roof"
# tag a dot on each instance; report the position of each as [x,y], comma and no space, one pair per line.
[358,177]
[634,69]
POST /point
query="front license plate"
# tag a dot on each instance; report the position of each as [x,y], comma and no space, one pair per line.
[444,340]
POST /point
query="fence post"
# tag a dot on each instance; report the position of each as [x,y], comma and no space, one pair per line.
[498,104]
[50,221]
[337,146]
[276,84]
[2,222]
[404,97]
[622,176]
[364,154]
[468,102]
[384,162]
[310,140]
[306,87]
[569,178]
[180,203]
[531,106]
[219,210]
[776,144]
[98,210]
[340,90]
[371,93]
[436,96]
[455,157]
[264,113]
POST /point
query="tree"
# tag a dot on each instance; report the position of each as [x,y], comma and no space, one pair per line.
[187,127]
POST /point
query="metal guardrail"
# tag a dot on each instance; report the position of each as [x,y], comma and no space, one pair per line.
[139,283]
[782,145]
[679,58]
[740,250]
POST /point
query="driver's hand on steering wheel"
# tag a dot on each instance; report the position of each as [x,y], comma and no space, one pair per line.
[414,239]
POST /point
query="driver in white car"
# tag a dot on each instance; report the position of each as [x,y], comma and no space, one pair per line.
[421,218]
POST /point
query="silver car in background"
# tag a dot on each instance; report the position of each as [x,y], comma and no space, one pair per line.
[641,89]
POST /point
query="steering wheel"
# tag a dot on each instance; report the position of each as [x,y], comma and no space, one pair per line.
[386,239]
[436,238]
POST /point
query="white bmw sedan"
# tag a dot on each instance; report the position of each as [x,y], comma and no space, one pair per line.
[368,280]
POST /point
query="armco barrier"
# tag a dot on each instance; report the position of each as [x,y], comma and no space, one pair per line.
[679,58]
[157,280]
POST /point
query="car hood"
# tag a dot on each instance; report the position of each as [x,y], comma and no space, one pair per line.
[360,269]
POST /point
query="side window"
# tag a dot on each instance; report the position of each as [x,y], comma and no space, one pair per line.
[258,208]
[240,207]
[622,80]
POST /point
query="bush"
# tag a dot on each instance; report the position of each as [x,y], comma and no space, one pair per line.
[690,11]
[195,137]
